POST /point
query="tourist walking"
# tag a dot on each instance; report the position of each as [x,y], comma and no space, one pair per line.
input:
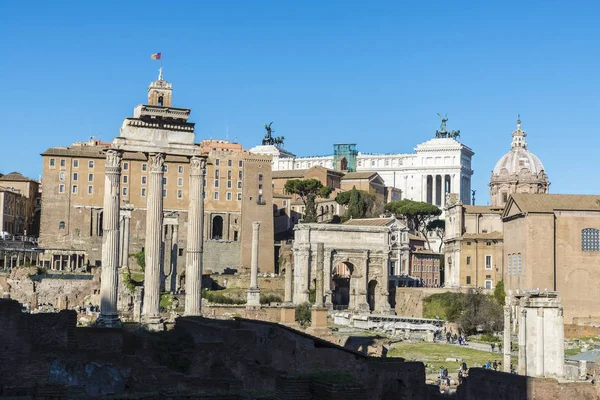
[493,346]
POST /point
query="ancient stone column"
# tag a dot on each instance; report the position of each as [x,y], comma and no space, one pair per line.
[361,301]
[523,341]
[195,238]
[384,306]
[319,278]
[327,279]
[110,241]
[125,252]
[253,299]
[301,273]
[560,340]
[166,258]
[121,233]
[507,345]
[539,344]
[288,283]
[154,223]
[175,251]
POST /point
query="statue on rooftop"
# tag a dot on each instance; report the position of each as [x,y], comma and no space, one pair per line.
[443,133]
[443,124]
[269,140]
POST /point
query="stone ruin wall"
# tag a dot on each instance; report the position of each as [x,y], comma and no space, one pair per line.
[61,293]
[485,384]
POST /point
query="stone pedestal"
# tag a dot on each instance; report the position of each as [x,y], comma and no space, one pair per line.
[109,316]
[319,317]
[253,298]
[288,314]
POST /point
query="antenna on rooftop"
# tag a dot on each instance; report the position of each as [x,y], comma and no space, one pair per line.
[227,133]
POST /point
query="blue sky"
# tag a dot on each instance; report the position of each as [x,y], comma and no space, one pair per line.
[374,73]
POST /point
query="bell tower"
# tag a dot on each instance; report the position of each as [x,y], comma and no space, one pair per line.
[160,92]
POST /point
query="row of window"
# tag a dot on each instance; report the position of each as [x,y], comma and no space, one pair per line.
[488,283]
[61,176]
[426,268]
[486,243]
[125,166]
[488,261]
[230,175]
[229,163]
[515,265]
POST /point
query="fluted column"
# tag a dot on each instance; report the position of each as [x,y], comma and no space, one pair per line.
[384,306]
[560,333]
[539,351]
[507,345]
[154,224]
[195,238]
[523,341]
[361,301]
[319,278]
[288,283]
[125,240]
[253,299]
[175,256]
[327,279]
[110,241]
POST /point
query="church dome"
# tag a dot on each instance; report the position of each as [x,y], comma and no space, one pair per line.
[519,158]
[518,171]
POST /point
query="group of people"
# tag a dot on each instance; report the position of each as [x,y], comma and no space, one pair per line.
[489,365]
[493,346]
[456,338]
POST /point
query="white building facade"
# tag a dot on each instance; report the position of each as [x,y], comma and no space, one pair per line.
[438,166]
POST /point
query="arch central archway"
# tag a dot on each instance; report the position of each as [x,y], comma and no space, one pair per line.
[340,282]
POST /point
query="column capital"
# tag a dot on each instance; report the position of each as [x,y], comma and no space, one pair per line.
[523,312]
[256,225]
[197,165]
[156,161]
[113,161]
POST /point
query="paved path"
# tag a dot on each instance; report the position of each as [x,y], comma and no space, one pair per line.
[481,347]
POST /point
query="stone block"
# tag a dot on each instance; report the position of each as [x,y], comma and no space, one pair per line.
[253,299]
[319,317]
[288,314]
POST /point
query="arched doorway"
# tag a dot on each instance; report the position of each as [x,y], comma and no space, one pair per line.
[217,228]
[371,294]
[341,275]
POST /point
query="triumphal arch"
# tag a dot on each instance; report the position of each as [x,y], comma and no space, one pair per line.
[359,255]
[157,130]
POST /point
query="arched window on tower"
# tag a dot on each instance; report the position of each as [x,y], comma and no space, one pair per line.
[61,225]
[160,100]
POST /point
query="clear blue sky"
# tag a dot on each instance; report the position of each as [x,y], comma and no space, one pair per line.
[374,73]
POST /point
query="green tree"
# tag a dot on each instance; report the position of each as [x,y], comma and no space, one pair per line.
[416,213]
[359,203]
[499,293]
[480,312]
[438,226]
[308,190]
